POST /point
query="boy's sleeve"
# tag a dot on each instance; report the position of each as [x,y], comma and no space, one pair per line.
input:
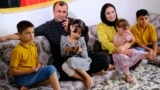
[134,32]
[15,58]
[153,33]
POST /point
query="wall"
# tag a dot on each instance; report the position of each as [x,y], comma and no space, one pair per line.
[87,10]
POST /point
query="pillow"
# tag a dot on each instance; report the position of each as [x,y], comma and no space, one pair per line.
[155,20]
[93,43]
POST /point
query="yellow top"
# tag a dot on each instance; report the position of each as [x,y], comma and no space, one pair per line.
[24,56]
[145,36]
[105,35]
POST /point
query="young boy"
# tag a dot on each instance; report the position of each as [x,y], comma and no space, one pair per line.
[145,34]
[25,67]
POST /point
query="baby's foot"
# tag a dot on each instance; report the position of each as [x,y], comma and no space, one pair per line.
[128,79]
[23,88]
[111,67]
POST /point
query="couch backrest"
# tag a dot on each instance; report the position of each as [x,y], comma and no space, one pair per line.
[154,18]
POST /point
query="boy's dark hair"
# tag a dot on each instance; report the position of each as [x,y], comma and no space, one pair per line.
[61,3]
[22,25]
[142,12]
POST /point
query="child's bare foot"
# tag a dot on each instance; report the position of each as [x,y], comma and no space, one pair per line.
[128,79]
[23,88]
[111,67]
[102,72]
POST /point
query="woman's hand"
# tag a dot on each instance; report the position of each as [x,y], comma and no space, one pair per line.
[2,39]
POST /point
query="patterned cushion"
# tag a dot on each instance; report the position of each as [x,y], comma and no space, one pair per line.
[93,43]
[155,20]
[65,85]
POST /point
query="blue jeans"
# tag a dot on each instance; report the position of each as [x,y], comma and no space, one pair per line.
[150,46]
[34,78]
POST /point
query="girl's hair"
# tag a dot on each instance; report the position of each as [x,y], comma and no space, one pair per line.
[122,23]
[79,25]
[103,16]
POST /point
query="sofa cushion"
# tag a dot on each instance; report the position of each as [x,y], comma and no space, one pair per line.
[93,43]
[154,18]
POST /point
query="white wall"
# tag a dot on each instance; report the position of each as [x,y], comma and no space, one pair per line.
[87,10]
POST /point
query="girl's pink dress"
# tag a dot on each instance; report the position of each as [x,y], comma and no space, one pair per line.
[122,62]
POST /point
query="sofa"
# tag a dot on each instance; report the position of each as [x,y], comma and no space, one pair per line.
[46,57]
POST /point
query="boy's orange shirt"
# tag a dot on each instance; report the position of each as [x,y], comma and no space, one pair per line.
[24,56]
[144,36]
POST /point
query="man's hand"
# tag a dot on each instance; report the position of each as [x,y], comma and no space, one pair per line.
[2,39]
[65,23]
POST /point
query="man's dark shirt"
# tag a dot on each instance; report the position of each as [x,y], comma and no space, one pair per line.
[53,30]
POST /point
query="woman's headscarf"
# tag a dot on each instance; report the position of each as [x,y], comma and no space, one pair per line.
[103,17]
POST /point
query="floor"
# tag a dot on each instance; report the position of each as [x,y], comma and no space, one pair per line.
[146,77]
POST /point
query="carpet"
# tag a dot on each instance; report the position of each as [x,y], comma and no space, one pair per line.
[146,77]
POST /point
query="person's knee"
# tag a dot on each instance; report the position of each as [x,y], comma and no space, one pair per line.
[105,60]
[51,69]
[69,71]
[63,66]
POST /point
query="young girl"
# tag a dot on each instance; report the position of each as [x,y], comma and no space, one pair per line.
[74,50]
[124,57]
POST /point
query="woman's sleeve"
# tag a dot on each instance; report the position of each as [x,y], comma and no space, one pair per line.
[106,44]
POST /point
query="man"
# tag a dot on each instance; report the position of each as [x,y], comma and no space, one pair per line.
[145,34]
[53,30]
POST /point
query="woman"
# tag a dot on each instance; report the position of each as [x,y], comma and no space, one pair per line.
[106,30]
